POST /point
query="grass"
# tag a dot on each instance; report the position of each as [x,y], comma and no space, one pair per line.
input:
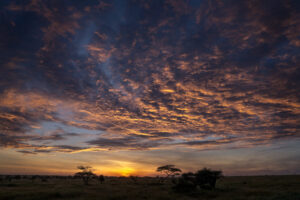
[229,188]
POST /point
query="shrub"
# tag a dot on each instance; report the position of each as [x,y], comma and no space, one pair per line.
[207,178]
[101,178]
[186,183]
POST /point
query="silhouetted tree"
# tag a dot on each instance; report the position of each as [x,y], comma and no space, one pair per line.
[101,178]
[86,174]
[207,178]
[169,171]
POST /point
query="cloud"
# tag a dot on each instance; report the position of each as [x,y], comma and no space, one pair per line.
[11,141]
[149,75]
[27,152]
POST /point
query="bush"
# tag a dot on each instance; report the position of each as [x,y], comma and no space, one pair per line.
[101,178]
[205,179]
[186,183]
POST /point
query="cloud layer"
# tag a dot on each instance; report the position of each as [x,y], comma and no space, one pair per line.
[139,75]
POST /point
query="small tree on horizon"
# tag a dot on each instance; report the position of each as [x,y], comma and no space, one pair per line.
[169,170]
[86,174]
[101,178]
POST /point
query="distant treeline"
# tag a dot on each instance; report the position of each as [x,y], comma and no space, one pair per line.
[182,182]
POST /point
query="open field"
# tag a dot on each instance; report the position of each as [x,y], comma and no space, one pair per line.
[228,188]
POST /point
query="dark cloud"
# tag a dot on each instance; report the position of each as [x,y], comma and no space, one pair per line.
[68,147]
[51,137]
[7,140]
[27,152]
[130,142]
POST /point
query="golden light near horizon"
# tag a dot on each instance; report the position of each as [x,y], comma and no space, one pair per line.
[118,168]
[116,171]
[124,168]
[126,171]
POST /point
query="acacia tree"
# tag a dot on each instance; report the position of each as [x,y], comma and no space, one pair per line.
[169,170]
[86,174]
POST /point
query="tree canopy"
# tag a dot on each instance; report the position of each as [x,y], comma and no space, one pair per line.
[169,170]
[85,174]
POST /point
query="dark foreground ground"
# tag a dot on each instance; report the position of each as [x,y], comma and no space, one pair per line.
[229,188]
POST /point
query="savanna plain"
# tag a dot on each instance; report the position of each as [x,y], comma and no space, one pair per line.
[123,188]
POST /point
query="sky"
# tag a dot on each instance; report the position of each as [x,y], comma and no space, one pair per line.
[127,86]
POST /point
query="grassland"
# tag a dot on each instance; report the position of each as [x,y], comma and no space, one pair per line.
[229,188]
